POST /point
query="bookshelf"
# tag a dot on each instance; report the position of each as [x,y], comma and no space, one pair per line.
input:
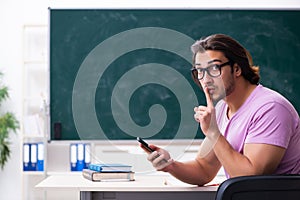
[34,114]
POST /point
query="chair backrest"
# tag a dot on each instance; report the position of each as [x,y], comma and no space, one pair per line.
[264,187]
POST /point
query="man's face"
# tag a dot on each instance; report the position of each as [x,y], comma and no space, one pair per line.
[221,82]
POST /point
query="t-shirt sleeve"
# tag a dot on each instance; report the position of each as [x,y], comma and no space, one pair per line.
[271,124]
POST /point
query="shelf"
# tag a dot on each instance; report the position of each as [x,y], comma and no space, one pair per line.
[37,173]
[33,136]
[64,173]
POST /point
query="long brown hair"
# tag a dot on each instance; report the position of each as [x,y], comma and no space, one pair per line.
[232,50]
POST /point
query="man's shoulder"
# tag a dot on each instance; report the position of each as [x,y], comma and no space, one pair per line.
[266,97]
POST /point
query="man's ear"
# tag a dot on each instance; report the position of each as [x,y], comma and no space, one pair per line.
[237,69]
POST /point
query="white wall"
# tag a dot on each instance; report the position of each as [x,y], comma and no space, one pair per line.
[14,14]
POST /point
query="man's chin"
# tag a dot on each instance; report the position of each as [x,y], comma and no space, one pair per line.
[216,98]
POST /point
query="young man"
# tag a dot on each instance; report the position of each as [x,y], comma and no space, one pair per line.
[249,129]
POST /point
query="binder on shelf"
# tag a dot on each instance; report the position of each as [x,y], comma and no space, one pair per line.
[26,157]
[73,157]
[33,156]
[87,155]
[40,157]
[80,157]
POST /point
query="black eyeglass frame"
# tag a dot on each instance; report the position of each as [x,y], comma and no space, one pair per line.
[195,70]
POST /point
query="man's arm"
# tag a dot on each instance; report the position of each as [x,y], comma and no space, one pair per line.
[257,159]
[199,171]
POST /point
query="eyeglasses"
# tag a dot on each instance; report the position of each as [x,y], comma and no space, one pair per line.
[213,70]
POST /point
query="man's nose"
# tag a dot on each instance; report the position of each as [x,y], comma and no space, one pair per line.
[207,78]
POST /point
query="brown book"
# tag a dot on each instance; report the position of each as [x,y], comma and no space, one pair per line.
[107,176]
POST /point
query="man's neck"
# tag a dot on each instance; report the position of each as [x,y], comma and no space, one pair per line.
[238,97]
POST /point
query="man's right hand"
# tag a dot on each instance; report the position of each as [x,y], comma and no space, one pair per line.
[160,158]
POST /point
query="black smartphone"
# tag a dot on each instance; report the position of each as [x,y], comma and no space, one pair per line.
[145,145]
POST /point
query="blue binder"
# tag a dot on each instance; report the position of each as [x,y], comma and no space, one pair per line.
[33,156]
[73,157]
[80,157]
[40,157]
[26,157]
[87,155]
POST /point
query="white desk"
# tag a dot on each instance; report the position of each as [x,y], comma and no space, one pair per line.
[145,187]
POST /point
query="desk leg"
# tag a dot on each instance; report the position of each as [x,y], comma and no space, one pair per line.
[85,195]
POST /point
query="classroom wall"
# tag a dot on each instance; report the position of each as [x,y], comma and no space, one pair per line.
[14,14]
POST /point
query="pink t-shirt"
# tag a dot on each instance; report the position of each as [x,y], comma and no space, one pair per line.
[266,117]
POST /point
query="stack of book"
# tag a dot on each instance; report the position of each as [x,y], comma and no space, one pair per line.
[108,172]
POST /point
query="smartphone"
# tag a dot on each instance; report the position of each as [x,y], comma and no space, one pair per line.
[145,144]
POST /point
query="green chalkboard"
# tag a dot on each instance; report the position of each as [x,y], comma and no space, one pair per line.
[117,74]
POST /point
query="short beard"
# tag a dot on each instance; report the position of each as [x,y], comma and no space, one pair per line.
[230,87]
[226,92]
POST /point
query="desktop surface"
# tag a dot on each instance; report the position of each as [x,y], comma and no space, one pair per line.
[141,183]
[144,186]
